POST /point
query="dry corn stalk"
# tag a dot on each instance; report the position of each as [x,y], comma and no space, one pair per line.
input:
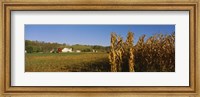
[112,54]
[129,42]
[121,54]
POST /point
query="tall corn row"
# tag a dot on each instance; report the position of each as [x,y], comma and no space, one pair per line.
[129,42]
[121,53]
[130,51]
[112,54]
[139,51]
[156,54]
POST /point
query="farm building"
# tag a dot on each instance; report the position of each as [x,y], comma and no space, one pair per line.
[59,50]
[78,51]
[67,50]
[94,51]
[52,51]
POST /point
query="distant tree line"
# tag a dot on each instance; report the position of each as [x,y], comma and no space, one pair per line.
[45,47]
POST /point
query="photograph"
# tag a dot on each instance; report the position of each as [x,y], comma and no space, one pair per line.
[99,48]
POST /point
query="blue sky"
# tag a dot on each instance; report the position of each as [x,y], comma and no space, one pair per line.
[90,34]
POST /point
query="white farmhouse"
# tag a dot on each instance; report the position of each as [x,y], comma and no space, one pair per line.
[66,50]
[52,51]
[78,51]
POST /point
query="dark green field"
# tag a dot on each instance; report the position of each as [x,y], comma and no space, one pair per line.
[67,62]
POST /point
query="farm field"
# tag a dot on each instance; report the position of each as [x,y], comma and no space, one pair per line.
[67,62]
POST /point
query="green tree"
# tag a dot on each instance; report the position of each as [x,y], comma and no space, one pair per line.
[29,49]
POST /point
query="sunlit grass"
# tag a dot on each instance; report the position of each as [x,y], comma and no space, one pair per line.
[67,62]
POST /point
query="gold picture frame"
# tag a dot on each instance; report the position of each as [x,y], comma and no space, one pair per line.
[120,5]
